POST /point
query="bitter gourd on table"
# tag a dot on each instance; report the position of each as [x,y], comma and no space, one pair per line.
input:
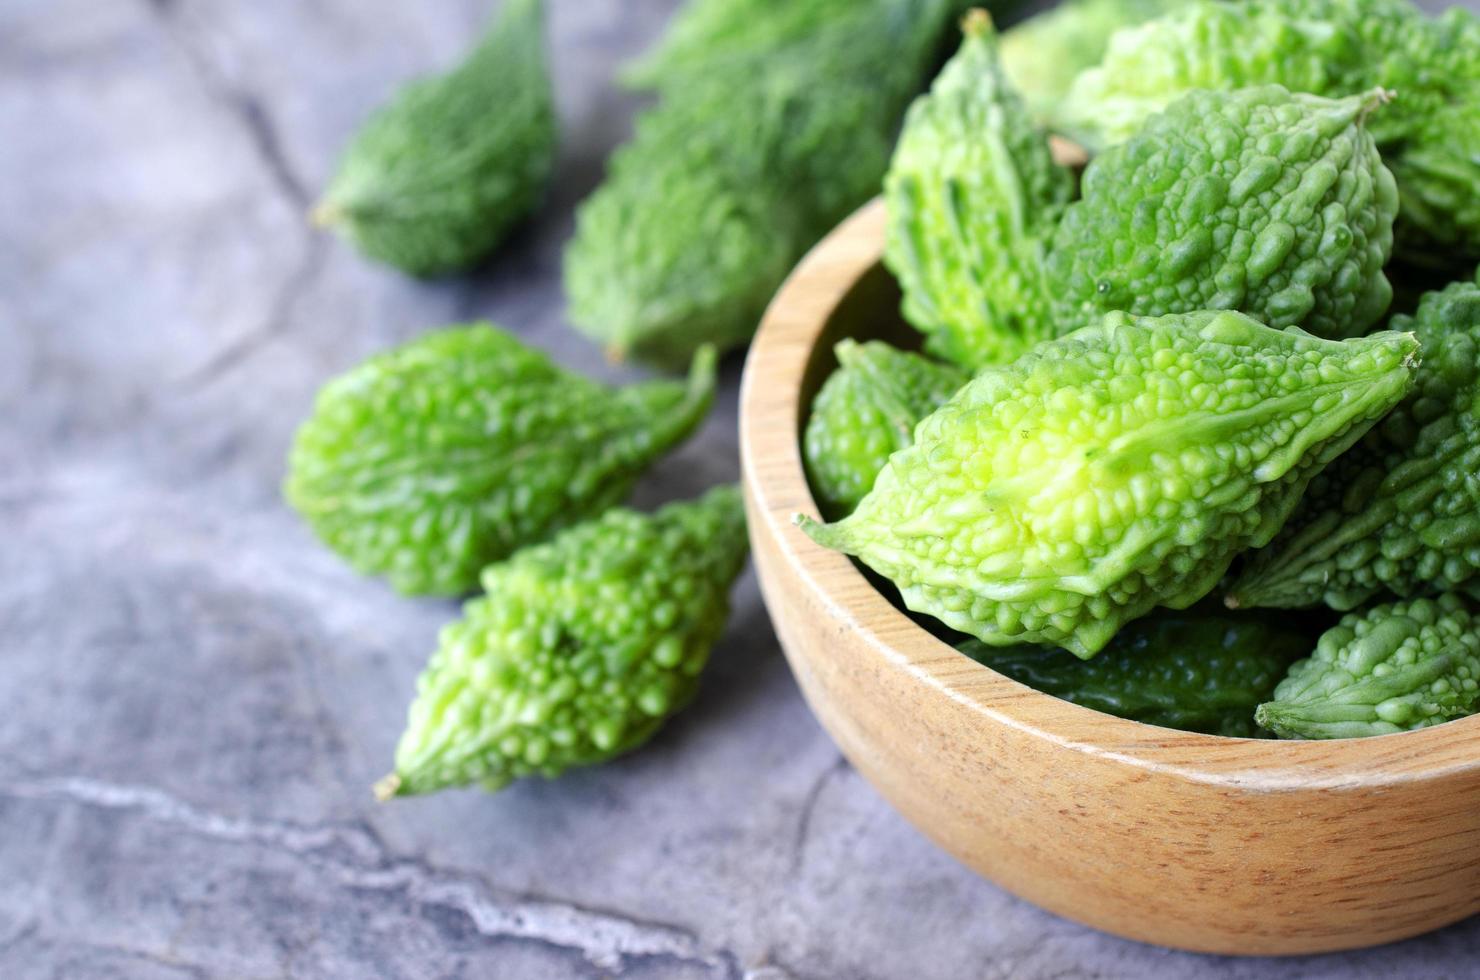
[435,179]
[580,649]
[1044,53]
[1258,200]
[973,196]
[1401,511]
[867,409]
[743,165]
[1393,668]
[429,461]
[1119,468]
[1325,47]
[1194,671]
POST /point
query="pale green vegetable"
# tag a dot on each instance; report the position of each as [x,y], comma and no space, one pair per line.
[1044,53]
[775,119]
[1400,512]
[1393,668]
[436,178]
[427,462]
[973,196]
[1325,47]
[1258,200]
[867,409]
[579,651]
[1119,468]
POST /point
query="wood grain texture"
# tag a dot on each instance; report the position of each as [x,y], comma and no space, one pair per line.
[1193,841]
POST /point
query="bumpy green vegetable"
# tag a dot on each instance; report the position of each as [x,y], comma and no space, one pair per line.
[1401,511]
[1113,470]
[1044,53]
[866,410]
[1438,175]
[742,165]
[1196,672]
[428,462]
[1390,669]
[436,178]
[580,650]
[973,196]
[1258,200]
[1325,47]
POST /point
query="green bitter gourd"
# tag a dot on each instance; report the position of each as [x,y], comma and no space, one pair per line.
[580,649]
[741,167]
[1113,470]
[973,196]
[435,179]
[1393,668]
[1044,54]
[1197,672]
[1325,47]
[867,409]
[1401,511]
[429,461]
[1258,200]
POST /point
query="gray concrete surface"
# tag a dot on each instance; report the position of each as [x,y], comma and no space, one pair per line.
[196,697]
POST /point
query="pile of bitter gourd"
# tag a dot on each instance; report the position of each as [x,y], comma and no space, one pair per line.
[1195,438]
[466,462]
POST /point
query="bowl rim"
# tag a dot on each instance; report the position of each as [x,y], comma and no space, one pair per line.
[776,488]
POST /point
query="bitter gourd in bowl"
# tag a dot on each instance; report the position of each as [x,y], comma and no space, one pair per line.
[1199,672]
[1120,468]
[1400,512]
[866,410]
[1393,668]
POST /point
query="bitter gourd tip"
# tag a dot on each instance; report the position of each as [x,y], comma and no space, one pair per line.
[1268,716]
[702,371]
[325,214]
[976,23]
[824,534]
[387,787]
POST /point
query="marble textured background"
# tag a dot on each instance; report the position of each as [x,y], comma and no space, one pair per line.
[196,696]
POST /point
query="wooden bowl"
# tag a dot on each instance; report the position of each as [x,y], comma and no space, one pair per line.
[1199,842]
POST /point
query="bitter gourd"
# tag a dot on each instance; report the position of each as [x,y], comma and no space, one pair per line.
[973,196]
[1258,200]
[1197,672]
[1043,55]
[1119,468]
[741,167]
[435,179]
[580,649]
[866,410]
[1401,511]
[1325,47]
[429,461]
[1393,668]
[1438,175]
